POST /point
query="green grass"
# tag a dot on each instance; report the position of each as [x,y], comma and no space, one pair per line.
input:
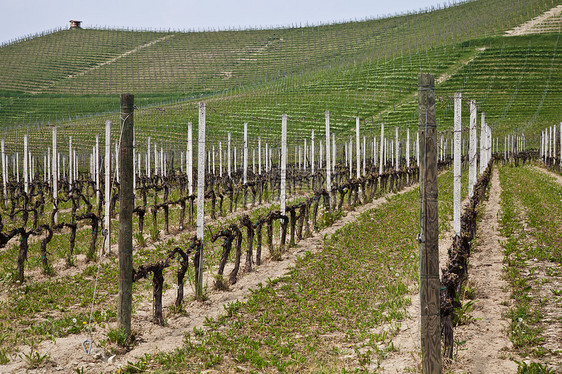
[530,221]
[347,300]
[366,68]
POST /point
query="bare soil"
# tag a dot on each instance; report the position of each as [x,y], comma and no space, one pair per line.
[534,26]
[485,344]
[67,354]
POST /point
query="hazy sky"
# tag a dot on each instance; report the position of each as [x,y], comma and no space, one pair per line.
[22,17]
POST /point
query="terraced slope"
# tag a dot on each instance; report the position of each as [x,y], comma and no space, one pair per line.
[69,74]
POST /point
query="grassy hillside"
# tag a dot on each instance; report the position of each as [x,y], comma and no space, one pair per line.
[367,69]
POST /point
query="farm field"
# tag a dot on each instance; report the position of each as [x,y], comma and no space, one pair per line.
[275,177]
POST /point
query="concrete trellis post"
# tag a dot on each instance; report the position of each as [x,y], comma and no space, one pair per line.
[328,153]
[381,166]
[97,167]
[457,166]
[245,172]
[408,148]
[189,157]
[5,172]
[397,151]
[472,150]
[25,164]
[312,152]
[417,149]
[17,166]
[220,159]
[148,150]
[350,153]
[70,162]
[134,167]
[364,155]
[201,195]
[259,155]
[54,170]
[334,150]
[320,154]
[162,163]
[482,140]
[116,160]
[357,149]
[267,158]
[283,162]
[156,162]
[229,152]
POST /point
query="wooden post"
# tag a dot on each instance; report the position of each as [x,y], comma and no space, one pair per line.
[429,235]
[457,166]
[125,296]
[107,218]
[201,195]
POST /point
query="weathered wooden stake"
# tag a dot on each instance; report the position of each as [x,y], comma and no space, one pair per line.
[126,203]
[429,235]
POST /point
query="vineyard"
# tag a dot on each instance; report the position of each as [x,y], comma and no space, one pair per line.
[275,188]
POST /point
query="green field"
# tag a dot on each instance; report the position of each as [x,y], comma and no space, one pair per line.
[365,68]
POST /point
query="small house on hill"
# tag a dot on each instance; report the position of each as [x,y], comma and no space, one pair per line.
[75,24]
